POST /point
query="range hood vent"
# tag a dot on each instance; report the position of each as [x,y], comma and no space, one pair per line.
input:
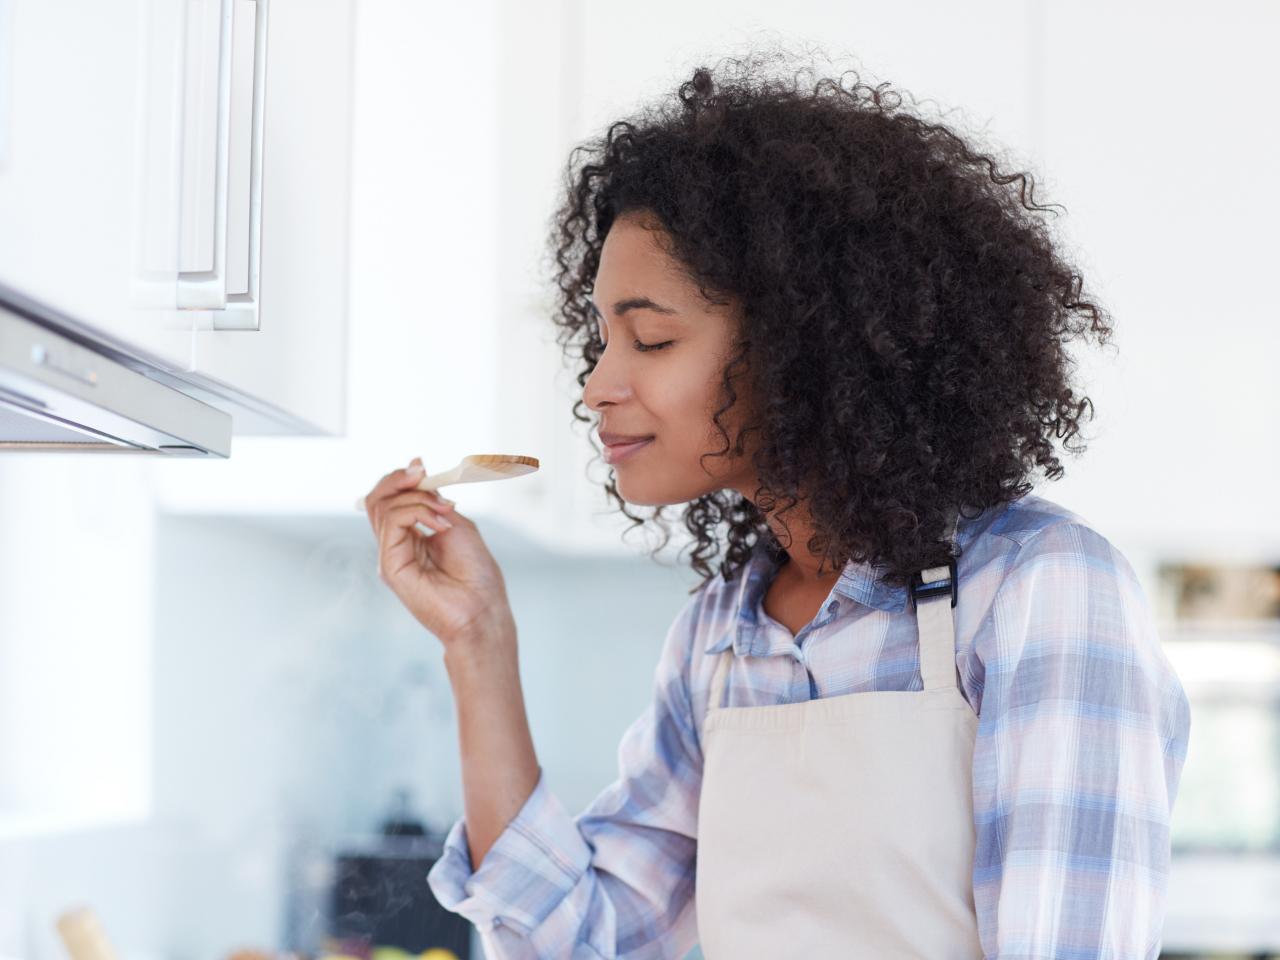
[62,394]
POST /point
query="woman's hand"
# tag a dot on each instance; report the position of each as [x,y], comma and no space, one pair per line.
[449,581]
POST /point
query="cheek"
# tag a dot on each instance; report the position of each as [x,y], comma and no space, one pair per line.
[688,403]
[690,410]
[682,397]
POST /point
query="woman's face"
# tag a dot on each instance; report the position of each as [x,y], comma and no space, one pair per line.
[669,393]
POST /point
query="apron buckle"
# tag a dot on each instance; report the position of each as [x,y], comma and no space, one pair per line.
[927,591]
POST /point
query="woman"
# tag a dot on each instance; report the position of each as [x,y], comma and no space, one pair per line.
[918,711]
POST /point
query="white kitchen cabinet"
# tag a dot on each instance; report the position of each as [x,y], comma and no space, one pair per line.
[1158,156]
[284,343]
[174,182]
[89,175]
[424,306]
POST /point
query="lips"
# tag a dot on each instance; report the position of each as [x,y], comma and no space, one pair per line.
[614,452]
[621,439]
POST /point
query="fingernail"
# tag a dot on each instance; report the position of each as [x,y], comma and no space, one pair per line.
[415,470]
[444,522]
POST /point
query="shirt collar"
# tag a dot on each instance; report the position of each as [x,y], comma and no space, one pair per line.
[858,581]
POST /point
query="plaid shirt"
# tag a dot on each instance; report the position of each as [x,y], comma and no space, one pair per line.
[1082,733]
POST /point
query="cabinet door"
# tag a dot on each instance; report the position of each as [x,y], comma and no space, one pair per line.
[279,337]
[89,179]
[1180,242]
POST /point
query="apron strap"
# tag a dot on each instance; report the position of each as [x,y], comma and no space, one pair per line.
[936,624]
[717,683]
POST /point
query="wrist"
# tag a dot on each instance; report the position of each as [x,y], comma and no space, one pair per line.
[487,645]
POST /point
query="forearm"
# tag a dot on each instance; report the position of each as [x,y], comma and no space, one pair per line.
[499,765]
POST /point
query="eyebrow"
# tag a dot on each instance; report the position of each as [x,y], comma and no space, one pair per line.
[634,303]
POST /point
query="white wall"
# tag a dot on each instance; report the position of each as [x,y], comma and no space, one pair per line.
[75,626]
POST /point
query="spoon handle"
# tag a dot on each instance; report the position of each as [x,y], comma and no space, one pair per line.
[433,482]
[436,481]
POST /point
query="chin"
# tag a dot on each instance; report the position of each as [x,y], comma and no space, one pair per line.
[642,499]
[636,492]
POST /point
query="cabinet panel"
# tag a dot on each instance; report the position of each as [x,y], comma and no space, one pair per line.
[295,359]
[89,175]
[225,78]
[1155,154]
[974,60]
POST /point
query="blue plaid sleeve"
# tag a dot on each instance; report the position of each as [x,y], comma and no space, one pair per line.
[1083,729]
[618,879]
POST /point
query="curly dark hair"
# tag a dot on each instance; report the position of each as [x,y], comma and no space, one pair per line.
[905,312]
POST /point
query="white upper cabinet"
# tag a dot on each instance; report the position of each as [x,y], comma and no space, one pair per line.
[276,324]
[89,168]
[174,180]
[1157,156]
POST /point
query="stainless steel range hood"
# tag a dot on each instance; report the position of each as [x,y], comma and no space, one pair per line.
[62,392]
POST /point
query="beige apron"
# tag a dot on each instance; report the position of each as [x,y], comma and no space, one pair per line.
[843,826]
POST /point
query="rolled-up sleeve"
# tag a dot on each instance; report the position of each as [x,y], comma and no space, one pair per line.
[1082,733]
[615,881]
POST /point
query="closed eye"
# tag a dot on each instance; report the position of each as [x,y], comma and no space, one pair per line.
[647,347]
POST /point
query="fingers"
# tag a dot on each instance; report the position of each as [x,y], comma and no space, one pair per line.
[424,500]
[428,497]
[397,535]
[406,515]
[393,485]
[394,482]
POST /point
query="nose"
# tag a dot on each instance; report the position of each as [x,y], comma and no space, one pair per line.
[608,382]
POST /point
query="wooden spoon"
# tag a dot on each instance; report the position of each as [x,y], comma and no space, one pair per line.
[83,936]
[476,468]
